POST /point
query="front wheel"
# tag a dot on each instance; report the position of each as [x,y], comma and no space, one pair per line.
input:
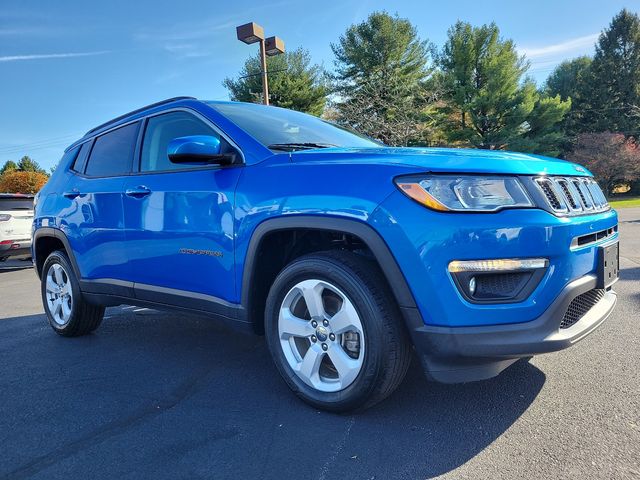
[68,312]
[335,332]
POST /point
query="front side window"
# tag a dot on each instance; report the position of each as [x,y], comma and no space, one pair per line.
[161,129]
[112,152]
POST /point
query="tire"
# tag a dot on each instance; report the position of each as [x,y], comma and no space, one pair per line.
[67,311]
[373,352]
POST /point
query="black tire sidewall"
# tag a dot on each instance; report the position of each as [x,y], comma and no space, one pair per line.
[61,259]
[349,283]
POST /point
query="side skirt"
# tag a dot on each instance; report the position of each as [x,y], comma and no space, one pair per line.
[112,292]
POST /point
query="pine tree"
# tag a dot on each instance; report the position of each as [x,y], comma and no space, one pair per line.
[9,166]
[27,164]
[488,103]
[614,88]
[381,71]
[293,82]
[571,81]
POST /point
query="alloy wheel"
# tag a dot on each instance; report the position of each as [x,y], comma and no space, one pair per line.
[59,294]
[321,335]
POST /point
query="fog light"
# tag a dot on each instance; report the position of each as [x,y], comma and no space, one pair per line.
[506,280]
[497,265]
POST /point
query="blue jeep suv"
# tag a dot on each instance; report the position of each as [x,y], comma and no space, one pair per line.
[343,252]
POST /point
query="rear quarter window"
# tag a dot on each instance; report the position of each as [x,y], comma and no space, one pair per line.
[112,153]
[81,160]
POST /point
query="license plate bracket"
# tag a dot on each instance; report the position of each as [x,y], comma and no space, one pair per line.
[608,264]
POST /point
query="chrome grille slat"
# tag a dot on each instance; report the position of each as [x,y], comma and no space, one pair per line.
[573,200]
[572,195]
[585,197]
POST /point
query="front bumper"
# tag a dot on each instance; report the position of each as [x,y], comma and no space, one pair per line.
[463,354]
[458,340]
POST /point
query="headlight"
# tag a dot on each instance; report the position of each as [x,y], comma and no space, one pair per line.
[465,193]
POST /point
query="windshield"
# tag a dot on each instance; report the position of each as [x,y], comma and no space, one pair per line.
[278,128]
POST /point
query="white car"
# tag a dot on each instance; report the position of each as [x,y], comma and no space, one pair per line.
[16,217]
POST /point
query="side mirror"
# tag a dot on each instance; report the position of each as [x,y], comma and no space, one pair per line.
[198,149]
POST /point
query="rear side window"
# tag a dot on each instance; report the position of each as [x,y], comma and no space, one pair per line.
[7,204]
[161,129]
[81,159]
[112,152]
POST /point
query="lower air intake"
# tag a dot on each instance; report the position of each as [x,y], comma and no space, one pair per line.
[580,305]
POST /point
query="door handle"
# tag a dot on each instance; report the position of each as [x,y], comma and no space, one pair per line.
[72,194]
[138,192]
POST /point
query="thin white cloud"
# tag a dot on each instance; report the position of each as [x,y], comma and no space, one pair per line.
[45,56]
[575,45]
[196,39]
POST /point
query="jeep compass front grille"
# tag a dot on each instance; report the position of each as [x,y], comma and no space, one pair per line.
[580,305]
[572,195]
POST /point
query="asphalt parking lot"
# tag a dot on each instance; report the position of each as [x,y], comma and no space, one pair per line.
[164,395]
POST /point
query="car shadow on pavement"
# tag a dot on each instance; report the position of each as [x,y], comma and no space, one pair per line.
[447,425]
[167,395]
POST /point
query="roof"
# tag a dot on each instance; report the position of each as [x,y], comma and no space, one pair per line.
[137,110]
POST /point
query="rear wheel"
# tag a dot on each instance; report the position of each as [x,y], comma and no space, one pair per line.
[67,311]
[335,332]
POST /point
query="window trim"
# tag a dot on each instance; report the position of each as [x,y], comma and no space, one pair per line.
[137,161]
[79,147]
[133,156]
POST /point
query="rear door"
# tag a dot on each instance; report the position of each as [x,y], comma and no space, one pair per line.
[179,219]
[94,223]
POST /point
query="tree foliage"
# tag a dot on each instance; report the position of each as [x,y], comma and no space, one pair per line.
[293,82]
[488,104]
[8,166]
[386,111]
[24,177]
[22,181]
[27,164]
[570,80]
[382,68]
[614,86]
[611,157]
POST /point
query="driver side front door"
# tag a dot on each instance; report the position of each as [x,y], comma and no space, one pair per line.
[179,221]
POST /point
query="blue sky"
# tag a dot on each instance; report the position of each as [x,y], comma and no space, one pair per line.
[66,66]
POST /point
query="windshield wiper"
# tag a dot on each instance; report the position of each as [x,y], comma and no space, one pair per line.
[292,147]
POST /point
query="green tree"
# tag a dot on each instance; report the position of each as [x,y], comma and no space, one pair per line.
[382,68]
[293,82]
[541,133]
[488,104]
[615,81]
[9,166]
[571,81]
[568,78]
[27,164]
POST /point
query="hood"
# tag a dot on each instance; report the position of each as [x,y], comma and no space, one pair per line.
[446,160]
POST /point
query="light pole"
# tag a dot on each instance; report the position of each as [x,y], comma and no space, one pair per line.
[251,33]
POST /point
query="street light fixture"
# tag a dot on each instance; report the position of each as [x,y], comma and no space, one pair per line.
[274,46]
[251,33]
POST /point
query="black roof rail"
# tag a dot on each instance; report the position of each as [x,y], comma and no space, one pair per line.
[138,110]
